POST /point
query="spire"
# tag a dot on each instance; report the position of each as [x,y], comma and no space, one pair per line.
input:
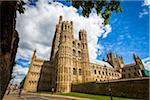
[34,54]
[60,19]
[134,56]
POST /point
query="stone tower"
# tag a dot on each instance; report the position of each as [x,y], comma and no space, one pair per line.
[138,61]
[115,60]
[56,39]
[26,86]
[85,63]
[69,57]
[54,53]
[34,74]
[63,83]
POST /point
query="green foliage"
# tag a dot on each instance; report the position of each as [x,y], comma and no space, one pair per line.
[102,7]
[20,7]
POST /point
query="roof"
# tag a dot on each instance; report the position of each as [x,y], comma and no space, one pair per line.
[129,65]
[102,63]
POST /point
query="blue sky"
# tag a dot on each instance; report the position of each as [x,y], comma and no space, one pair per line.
[130,32]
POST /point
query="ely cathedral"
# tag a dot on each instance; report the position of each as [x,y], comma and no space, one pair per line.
[69,64]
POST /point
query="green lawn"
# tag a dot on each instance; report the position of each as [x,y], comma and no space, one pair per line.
[90,96]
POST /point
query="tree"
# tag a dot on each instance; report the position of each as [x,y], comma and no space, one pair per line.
[22,82]
[103,7]
[20,4]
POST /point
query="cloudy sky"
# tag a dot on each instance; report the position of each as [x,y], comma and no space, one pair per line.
[126,34]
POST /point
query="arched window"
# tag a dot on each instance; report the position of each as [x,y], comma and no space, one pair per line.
[79,54]
[112,74]
[74,52]
[103,73]
[73,44]
[83,46]
[129,75]
[99,72]
[135,68]
[95,71]
[65,37]
[65,26]
[74,71]
[109,74]
[78,45]
[79,71]
[135,74]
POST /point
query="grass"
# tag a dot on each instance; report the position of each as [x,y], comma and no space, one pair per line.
[91,96]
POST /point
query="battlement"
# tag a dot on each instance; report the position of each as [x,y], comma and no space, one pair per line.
[67,26]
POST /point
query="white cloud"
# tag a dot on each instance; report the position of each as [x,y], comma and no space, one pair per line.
[24,54]
[19,72]
[37,25]
[108,30]
[36,29]
[147,2]
[143,13]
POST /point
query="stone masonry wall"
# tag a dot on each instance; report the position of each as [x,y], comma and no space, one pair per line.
[132,88]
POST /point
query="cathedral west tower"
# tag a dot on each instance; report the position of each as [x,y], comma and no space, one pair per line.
[69,64]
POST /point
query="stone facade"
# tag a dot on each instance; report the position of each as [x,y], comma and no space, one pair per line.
[8,42]
[69,63]
[133,70]
[37,75]
[103,72]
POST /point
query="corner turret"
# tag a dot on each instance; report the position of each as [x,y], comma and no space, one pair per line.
[138,61]
[34,54]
